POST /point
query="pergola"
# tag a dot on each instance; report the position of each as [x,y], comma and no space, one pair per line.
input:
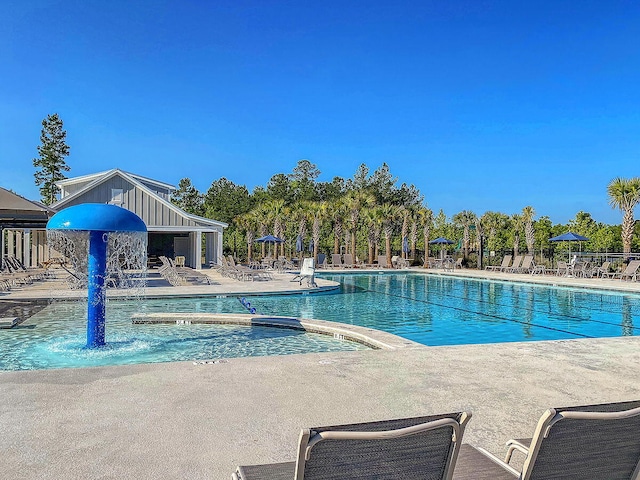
[18,216]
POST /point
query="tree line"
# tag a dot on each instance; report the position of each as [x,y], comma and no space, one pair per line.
[370,214]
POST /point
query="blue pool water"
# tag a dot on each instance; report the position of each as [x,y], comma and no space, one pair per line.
[55,338]
[439,310]
[432,310]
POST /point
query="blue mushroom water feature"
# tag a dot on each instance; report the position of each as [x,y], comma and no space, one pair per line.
[116,244]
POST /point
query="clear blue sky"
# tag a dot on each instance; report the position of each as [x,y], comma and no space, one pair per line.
[483,105]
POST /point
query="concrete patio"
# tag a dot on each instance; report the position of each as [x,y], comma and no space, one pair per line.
[186,420]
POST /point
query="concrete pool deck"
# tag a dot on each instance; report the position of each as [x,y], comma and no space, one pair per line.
[186,420]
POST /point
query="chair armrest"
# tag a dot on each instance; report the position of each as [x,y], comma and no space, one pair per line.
[519,445]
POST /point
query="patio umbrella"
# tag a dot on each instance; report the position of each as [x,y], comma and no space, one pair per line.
[269,239]
[569,237]
[299,246]
[405,245]
[311,245]
[441,241]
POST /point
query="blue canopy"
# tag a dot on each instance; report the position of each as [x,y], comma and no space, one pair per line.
[569,237]
[97,217]
[441,241]
[269,238]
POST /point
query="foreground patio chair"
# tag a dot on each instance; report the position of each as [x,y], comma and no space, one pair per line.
[336,260]
[416,448]
[595,442]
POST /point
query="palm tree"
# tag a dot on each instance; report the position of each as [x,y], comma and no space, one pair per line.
[413,235]
[517,224]
[337,218]
[276,208]
[465,219]
[300,214]
[373,221]
[247,222]
[494,222]
[263,218]
[354,202]
[317,212]
[624,194]
[426,219]
[480,229]
[389,213]
[529,233]
[404,230]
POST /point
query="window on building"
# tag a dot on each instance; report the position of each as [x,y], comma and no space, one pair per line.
[116,196]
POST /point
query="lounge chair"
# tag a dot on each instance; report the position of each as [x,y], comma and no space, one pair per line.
[563,269]
[630,272]
[538,269]
[595,442]
[348,260]
[240,272]
[322,261]
[336,260]
[307,272]
[527,264]
[516,265]
[506,262]
[602,271]
[458,263]
[423,447]
[382,261]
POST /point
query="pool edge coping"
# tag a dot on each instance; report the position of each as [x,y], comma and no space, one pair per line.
[370,337]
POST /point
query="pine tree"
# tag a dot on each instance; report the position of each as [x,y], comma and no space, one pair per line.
[52,151]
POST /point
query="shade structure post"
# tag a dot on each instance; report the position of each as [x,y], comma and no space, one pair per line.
[96,295]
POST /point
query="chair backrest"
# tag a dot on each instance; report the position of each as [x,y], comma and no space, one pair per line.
[348,260]
[527,261]
[322,259]
[336,259]
[423,447]
[308,268]
[604,267]
[598,442]
[517,261]
[382,260]
[632,267]
[506,261]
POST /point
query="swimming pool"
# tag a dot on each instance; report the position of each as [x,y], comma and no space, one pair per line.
[428,309]
[442,310]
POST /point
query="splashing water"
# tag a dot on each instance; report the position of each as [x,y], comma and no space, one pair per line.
[126,259]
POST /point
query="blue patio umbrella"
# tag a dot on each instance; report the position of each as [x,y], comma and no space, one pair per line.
[569,237]
[405,245]
[311,245]
[299,245]
[269,239]
[441,241]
